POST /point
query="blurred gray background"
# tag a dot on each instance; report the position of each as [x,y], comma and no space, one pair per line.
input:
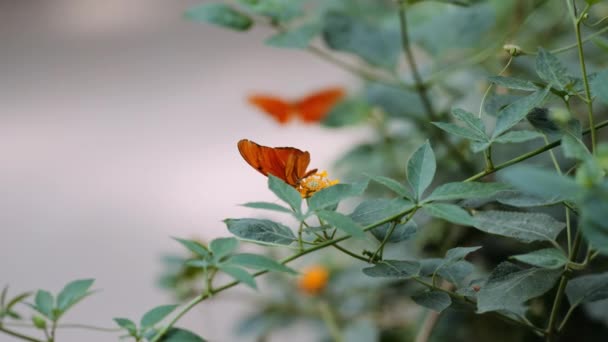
[118,129]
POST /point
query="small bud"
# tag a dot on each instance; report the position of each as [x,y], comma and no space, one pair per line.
[476,288]
[513,50]
[560,115]
[39,322]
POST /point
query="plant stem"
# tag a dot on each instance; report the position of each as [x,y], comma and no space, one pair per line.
[346,251]
[430,320]
[18,335]
[330,321]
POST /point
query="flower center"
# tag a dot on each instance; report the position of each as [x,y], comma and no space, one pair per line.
[313,183]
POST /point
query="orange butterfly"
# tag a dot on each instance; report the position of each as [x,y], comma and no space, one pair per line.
[286,163]
[311,108]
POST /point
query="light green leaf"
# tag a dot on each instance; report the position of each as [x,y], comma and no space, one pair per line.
[395,102]
[44,303]
[544,258]
[297,38]
[194,247]
[595,217]
[220,14]
[514,137]
[239,274]
[373,210]
[587,288]
[509,286]
[459,253]
[466,190]
[449,212]
[222,247]
[259,262]
[392,184]
[434,300]
[421,169]
[347,112]
[522,226]
[472,121]
[599,86]
[402,232]
[463,132]
[260,230]
[513,83]
[574,148]
[285,192]
[180,335]
[267,206]
[154,316]
[373,44]
[393,269]
[342,222]
[126,324]
[552,71]
[72,293]
[275,10]
[542,183]
[331,196]
[516,111]
[521,200]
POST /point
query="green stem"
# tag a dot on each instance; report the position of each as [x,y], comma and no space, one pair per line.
[18,335]
[487,154]
[575,45]
[354,255]
[330,321]
[67,326]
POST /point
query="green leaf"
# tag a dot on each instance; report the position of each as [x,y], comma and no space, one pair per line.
[392,184]
[342,222]
[395,102]
[463,132]
[14,301]
[574,148]
[347,112]
[466,190]
[260,230]
[239,274]
[220,14]
[472,121]
[514,137]
[297,38]
[180,335]
[552,71]
[44,303]
[222,247]
[421,169]
[521,200]
[374,210]
[434,300]
[525,227]
[599,86]
[72,293]
[373,44]
[540,119]
[595,217]
[449,212]
[154,316]
[331,196]
[39,322]
[587,288]
[513,83]
[542,183]
[285,192]
[459,253]
[402,232]
[194,247]
[126,324]
[393,269]
[259,262]
[516,111]
[267,206]
[510,285]
[543,258]
[275,10]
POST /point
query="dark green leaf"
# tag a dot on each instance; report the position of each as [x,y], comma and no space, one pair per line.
[516,111]
[574,148]
[260,230]
[331,196]
[521,200]
[509,286]
[434,300]
[240,275]
[472,121]
[297,38]
[525,227]
[72,293]
[513,83]
[421,169]
[348,112]
[449,212]
[374,210]
[541,183]
[44,303]
[459,253]
[180,335]
[402,232]
[552,71]
[126,324]
[599,86]
[220,14]
[285,192]
[194,247]
[259,262]
[466,190]
[342,222]
[154,316]
[587,288]
[463,132]
[517,137]
[594,208]
[393,269]
[392,184]
[544,258]
[540,119]
[222,247]
[373,44]
[267,206]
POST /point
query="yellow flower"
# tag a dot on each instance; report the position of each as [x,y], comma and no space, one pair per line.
[314,279]
[313,183]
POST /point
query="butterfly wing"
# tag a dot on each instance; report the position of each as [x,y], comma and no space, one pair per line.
[279,109]
[314,107]
[286,163]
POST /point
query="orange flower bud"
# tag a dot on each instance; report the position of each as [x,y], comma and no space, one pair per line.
[313,279]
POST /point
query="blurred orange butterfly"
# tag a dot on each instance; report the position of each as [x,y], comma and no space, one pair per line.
[311,108]
[286,163]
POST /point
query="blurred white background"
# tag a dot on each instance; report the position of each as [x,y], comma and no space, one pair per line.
[118,129]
